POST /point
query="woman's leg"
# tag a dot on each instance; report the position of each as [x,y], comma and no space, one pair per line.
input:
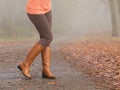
[44,30]
[46,55]
[43,27]
[49,18]
[33,53]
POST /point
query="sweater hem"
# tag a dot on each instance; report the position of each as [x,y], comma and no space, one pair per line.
[37,11]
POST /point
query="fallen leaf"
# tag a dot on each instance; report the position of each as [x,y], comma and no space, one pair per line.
[39,86]
[51,83]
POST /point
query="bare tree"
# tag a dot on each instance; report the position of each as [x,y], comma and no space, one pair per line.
[115,15]
[118,1]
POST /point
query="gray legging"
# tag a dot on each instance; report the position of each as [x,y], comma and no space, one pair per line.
[43,23]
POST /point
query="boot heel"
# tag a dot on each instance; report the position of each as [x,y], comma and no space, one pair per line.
[19,67]
[44,76]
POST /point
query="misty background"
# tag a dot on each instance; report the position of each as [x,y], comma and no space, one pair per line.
[83,18]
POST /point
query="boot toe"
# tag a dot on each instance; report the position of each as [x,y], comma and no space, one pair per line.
[28,76]
[25,71]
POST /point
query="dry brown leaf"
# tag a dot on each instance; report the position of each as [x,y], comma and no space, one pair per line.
[97,58]
[52,83]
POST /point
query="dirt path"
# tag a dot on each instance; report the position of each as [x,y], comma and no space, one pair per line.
[68,78]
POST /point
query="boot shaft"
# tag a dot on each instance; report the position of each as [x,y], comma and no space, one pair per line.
[33,53]
[46,56]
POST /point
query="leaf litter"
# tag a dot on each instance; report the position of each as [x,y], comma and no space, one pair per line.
[99,58]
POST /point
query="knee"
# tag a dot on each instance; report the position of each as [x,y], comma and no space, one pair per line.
[45,41]
[49,39]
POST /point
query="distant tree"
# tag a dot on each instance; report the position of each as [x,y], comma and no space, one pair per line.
[115,15]
[118,1]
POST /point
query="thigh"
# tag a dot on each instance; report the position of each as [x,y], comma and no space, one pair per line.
[49,17]
[42,25]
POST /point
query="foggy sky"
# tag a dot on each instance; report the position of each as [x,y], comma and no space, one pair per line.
[69,16]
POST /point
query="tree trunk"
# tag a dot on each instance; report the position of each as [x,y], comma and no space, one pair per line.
[118,1]
[115,15]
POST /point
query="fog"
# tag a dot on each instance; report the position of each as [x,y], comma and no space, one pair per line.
[82,16]
[70,18]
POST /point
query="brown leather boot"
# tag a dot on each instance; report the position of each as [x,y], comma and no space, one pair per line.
[25,65]
[46,72]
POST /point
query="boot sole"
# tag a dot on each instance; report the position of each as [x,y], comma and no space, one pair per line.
[44,76]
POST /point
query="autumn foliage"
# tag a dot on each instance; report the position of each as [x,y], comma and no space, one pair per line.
[96,58]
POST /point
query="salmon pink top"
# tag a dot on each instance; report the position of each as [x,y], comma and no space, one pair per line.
[38,6]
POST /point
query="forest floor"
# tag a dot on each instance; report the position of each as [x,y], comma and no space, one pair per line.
[97,58]
[70,76]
